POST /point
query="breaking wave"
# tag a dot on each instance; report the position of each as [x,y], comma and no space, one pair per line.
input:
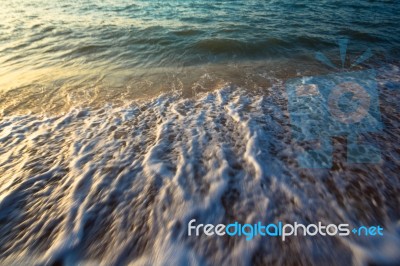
[118,185]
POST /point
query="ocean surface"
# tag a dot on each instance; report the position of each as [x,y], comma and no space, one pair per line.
[120,121]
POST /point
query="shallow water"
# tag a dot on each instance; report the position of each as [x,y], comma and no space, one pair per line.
[120,121]
[118,185]
[53,49]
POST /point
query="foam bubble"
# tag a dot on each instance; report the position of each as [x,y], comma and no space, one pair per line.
[118,185]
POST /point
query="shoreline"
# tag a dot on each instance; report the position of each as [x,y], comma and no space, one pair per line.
[54,94]
[90,178]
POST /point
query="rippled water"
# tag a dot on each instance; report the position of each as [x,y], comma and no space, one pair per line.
[120,121]
[104,49]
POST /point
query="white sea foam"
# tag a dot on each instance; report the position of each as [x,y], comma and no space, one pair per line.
[118,186]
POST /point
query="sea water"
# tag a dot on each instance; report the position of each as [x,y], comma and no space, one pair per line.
[123,120]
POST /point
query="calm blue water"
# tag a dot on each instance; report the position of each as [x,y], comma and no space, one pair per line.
[146,47]
[127,34]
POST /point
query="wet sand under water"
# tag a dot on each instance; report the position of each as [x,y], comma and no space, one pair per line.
[57,91]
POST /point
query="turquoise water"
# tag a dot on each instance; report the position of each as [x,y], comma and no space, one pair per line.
[141,48]
[120,121]
[128,34]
